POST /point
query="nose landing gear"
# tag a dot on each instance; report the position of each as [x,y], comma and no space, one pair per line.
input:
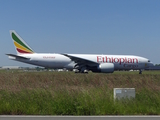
[140,71]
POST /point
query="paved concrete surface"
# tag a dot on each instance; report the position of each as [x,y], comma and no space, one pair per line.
[16,117]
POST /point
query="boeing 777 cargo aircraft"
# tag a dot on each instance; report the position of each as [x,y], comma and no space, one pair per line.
[81,62]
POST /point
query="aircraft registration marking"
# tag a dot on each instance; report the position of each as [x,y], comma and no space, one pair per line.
[49,57]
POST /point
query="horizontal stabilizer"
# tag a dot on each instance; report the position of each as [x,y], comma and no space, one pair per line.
[16,56]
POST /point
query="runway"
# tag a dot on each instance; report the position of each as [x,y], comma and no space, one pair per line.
[20,117]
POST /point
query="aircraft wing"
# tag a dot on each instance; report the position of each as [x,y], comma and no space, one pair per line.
[16,56]
[81,61]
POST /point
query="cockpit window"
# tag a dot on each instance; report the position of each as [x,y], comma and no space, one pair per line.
[149,61]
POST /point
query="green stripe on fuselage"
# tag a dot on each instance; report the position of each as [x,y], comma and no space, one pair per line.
[15,38]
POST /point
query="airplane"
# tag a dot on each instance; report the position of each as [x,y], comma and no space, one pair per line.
[82,63]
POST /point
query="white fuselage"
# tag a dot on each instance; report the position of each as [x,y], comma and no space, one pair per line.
[59,61]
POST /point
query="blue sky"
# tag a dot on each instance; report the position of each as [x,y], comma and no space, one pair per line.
[82,26]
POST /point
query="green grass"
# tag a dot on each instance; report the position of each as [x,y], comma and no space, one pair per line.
[66,93]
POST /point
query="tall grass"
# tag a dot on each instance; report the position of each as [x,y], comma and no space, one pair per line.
[53,93]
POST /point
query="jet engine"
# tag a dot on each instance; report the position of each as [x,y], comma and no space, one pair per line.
[104,68]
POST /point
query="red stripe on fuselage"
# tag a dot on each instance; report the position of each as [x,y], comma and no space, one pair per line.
[22,51]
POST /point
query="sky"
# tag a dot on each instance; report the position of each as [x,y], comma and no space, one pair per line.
[120,27]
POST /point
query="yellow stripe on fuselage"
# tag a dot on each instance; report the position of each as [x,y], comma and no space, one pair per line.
[21,47]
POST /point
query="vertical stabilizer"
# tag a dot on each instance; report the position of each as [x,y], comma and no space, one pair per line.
[20,45]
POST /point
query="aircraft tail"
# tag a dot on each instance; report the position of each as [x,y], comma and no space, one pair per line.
[20,45]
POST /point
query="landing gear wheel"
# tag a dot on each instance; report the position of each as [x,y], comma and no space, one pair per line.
[140,71]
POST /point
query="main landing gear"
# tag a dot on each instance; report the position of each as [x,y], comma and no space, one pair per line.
[140,71]
[81,71]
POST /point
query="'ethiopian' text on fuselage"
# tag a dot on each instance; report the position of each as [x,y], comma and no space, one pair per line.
[105,59]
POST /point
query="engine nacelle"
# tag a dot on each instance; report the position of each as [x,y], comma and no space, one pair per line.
[105,68]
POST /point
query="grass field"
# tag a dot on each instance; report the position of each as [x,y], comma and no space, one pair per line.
[66,93]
